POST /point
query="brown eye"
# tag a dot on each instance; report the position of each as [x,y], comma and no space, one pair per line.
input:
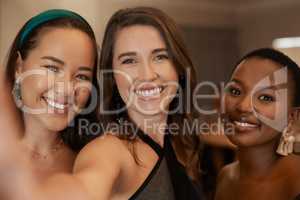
[266,98]
[128,61]
[52,68]
[83,77]
[233,91]
[161,57]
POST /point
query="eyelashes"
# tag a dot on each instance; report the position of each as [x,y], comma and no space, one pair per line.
[158,59]
[233,91]
[236,92]
[52,68]
[83,77]
[56,69]
[129,61]
[266,98]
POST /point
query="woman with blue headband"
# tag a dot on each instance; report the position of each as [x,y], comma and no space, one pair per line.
[144,51]
[50,71]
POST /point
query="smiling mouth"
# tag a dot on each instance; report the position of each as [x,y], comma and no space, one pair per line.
[149,92]
[56,105]
[245,124]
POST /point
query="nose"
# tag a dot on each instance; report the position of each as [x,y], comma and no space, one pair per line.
[64,85]
[245,104]
[147,72]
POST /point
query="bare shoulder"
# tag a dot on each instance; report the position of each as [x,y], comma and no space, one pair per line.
[291,166]
[225,180]
[228,172]
[99,165]
[106,148]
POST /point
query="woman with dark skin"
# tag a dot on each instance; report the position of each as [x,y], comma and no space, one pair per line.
[259,105]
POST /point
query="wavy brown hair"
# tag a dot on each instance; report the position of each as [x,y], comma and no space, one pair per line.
[187,146]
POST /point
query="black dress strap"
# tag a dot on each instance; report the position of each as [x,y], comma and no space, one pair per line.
[148,140]
[183,186]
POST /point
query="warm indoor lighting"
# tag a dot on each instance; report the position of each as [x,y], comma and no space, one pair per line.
[290,42]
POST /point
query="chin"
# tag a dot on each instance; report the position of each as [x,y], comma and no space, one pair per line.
[150,109]
[56,123]
[243,140]
[56,127]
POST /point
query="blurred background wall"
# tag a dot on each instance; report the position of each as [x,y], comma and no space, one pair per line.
[217,32]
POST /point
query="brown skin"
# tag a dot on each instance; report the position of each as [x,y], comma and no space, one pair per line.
[259,172]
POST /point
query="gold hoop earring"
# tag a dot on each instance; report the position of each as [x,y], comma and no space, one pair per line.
[16,92]
[286,144]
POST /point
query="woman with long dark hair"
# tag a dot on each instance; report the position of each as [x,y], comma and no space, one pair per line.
[147,81]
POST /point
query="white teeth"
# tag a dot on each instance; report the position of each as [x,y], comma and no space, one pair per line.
[245,124]
[55,105]
[151,92]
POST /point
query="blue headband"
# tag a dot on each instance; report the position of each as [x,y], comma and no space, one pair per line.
[44,17]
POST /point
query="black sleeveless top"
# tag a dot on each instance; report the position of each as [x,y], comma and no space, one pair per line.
[167,180]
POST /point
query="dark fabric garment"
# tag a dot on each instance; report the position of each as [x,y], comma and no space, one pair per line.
[158,184]
[183,186]
[167,180]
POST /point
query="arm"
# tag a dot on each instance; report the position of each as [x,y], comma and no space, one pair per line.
[96,170]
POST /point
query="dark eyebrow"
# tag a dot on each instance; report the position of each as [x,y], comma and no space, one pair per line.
[159,50]
[53,59]
[236,81]
[85,69]
[126,54]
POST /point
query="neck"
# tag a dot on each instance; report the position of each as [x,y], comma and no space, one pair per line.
[257,161]
[38,138]
[152,125]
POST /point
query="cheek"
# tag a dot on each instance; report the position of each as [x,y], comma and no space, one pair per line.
[123,82]
[266,110]
[229,102]
[168,72]
[82,95]
[32,88]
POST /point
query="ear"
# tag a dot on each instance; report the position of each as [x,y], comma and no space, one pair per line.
[19,66]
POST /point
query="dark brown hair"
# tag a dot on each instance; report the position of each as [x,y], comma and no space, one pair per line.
[70,135]
[186,145]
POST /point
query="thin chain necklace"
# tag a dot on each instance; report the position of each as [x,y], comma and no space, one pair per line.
[36,155]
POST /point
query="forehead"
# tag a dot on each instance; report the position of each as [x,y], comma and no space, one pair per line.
[137,38]
[253,70]
[67,44]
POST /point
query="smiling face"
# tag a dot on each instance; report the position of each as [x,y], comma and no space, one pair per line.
[144,73]
[56,77]
[256,106]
